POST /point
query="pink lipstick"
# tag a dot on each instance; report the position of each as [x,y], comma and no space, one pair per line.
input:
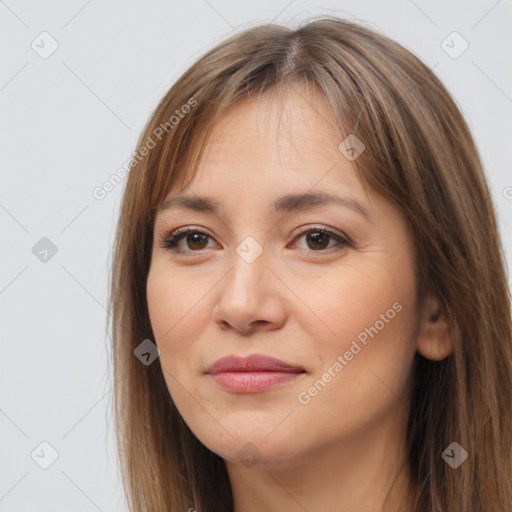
[254,373]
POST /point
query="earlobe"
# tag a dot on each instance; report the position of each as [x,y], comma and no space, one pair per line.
[435,341]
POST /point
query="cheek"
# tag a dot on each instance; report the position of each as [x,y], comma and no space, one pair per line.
[364,369]
[348,301]
[172,301]
[179,314]
[171,312]
[369,320]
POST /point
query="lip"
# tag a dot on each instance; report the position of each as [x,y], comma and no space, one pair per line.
[254,373]
[253,363]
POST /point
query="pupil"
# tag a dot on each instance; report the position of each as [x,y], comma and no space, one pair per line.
[196,238]
[317,238]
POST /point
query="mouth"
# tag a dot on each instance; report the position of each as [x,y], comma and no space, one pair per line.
[254,373]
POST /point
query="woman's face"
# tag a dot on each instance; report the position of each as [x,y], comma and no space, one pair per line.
[258,279]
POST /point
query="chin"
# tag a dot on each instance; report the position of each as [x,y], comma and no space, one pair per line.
[252,445]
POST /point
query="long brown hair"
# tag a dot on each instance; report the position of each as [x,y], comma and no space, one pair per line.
[420,155]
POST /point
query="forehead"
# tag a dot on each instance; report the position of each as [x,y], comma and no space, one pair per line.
[283,119]
[282,140]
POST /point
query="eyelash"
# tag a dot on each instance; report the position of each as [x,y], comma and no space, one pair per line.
[170,239]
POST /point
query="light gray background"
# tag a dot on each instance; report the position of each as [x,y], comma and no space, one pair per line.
[69,121]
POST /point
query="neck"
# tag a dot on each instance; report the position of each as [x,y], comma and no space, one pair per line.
[366,473]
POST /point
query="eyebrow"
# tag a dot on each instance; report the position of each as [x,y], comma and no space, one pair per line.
[283,204]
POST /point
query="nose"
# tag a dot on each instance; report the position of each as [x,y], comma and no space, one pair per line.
[250,297]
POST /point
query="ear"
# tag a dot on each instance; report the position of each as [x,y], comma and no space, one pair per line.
[435,339]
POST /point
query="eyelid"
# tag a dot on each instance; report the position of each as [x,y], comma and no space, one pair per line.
[323,229]
[176,235]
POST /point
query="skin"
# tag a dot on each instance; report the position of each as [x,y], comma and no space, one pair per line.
[343,449]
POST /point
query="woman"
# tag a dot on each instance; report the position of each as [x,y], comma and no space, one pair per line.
[308,238]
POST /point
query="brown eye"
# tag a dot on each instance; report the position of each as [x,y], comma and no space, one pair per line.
[196,240]
[317,240]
